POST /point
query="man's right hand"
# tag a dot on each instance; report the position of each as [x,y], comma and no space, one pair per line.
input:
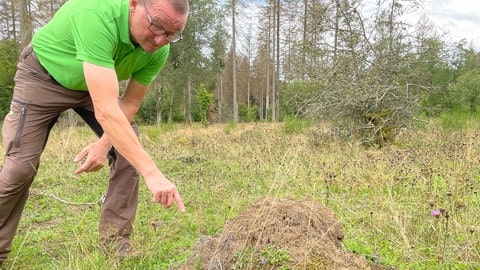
[164,192]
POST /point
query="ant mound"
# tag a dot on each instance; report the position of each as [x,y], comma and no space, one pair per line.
[278,234]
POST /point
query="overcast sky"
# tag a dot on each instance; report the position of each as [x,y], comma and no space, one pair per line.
[461,18]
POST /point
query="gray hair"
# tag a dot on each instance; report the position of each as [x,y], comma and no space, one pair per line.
[180,6]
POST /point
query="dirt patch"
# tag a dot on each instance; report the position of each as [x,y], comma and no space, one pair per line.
[278,234]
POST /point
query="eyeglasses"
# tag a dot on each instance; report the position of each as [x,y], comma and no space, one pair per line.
[159,31]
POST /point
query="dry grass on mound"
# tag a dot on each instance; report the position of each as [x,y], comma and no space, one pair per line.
[278,234]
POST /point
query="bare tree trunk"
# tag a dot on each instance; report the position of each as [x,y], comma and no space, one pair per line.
[276,96]
[220,99]
[249,59]
[267,91]
[26,30]
[71,118]
[158,119]
[261,101]
[234,65]
[304,38]
[274,43]
[391,28]
[13,20]
[52,10]
[248,91]
[189,101]
[170,109]
[335,44]
[268,53]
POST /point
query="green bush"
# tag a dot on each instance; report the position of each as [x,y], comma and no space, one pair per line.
[295,125]
[8,57]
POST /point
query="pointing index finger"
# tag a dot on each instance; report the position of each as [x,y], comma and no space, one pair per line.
[179,201]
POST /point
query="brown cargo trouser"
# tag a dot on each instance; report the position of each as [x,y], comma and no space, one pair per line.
[37,103]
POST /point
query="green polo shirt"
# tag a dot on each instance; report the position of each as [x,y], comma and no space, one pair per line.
[95,31]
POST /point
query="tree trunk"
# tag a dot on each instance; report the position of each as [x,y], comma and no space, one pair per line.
[189,101]
[304,37]
[170,109]
[13,20]
[158,119]
[276,96]
[220,99]
[268,53]
[335,41]
[26,30]
[274,51]
[234,65]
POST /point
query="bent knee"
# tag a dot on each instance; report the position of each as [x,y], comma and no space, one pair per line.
[16,176]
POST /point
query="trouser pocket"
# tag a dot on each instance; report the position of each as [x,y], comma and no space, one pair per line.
[15,122]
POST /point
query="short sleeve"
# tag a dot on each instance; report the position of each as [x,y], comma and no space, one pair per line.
[95,38]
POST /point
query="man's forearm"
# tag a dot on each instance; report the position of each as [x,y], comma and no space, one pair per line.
[129,111]
[119,133]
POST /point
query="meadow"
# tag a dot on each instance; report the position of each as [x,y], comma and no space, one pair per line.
[411,205]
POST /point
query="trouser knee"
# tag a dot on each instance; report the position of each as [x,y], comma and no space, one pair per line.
[15,177]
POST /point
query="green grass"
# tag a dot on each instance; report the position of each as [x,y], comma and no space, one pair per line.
[459,120]
[383,198]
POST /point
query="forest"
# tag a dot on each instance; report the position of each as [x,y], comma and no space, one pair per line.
[243,61]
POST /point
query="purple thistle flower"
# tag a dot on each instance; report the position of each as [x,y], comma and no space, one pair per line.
[436,213]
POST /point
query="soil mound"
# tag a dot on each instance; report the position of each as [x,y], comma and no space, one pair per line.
[278,234]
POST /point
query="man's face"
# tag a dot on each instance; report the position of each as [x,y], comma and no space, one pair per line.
[154,23]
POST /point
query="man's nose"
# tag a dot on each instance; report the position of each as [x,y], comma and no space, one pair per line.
[160,40]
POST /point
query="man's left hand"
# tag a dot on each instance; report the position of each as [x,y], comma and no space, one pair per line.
[92,157]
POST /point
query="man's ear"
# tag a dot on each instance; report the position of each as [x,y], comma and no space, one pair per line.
[133,5]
